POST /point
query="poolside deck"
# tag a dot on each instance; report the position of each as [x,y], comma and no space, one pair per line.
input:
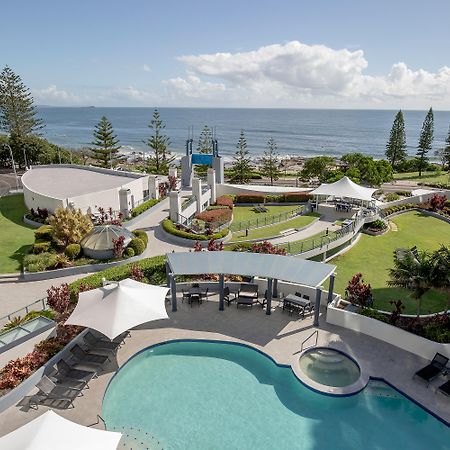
[278,335]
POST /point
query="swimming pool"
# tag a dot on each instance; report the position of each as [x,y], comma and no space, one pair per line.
[213,395]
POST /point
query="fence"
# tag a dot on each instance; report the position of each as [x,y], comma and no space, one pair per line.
[267,220]
[38,305]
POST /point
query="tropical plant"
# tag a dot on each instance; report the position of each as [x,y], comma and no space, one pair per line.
[214,246]
[119,246]
[136,273]
[198,247]
[437,202]
[70,225]
[270,163]
[414,273]
[397,310]
[358,292]
[58,298]
[267,248]
[425,141]
[158,143]
[396,146]
[106,145]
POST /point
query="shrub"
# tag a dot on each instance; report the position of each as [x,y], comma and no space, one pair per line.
[137,245]
[359,293]
[144,206]
[41,247]
[72,251]
[437,202]
[58,298]
[394,209]
[267,248]
[225,200]
[39,263]
[118,246]
[70,225]
[141,234]
[275,198]
[392,196]
[299,197]
[374,314]
[215,216]
[44,313]
[214,246]
[136,273]
[44,233]
[250,198]
[171,228]
[129,252]
[242,247]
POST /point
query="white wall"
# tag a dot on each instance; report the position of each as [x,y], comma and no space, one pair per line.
[385,332]
[34,200]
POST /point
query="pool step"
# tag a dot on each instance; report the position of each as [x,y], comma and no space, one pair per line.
[380,389]
[137,439]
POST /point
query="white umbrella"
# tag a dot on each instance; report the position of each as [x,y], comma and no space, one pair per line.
[52,432]
[118,307]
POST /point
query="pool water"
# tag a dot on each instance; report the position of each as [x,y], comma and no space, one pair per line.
[215,396]
[329,367]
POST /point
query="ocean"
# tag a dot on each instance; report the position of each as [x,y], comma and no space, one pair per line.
[298,132]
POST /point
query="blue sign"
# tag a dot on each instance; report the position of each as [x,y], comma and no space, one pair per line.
[200,158]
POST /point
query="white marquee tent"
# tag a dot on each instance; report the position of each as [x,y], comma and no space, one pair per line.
[118,307]
[345,188]
[52,432]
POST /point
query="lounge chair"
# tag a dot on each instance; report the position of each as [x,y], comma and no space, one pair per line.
[444,388]
[72,373]
[432,370]
[100,345]
[87,359]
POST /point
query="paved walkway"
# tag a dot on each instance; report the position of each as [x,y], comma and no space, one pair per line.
[279,335]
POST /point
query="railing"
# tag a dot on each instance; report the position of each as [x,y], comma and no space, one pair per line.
[267,220]
[315,333]
[188,202]
[25,310]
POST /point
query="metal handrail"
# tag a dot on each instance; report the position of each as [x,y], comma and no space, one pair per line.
[8,317]
[316,332]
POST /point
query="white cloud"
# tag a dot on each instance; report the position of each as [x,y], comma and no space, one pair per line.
[54,96]
[295,74]
[146,68]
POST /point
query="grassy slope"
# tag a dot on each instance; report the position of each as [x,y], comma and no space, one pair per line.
[373,256]
[274,230]
[15,237]
[427,177]
[241,213]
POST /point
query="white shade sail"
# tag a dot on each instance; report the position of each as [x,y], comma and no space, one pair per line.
[118,307]
[52,432]
[345,188]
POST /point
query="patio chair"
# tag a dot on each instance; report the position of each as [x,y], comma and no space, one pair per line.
[185,296]
[432,370]
[100,345]
[227,295]
[72,373]
[444,388]
[86,358]
[247,295]
[195,298]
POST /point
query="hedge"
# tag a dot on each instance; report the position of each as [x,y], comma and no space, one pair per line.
[215,215]
[72,251]
[137,245]
[44,233]
[154,271]
[225,200]
[250,198]
[41,247]
[394,209]
[296,197]
[146,205]
[39,263]
[141,234]
[170,228]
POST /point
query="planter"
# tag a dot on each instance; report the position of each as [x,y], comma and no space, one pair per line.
[184,242]
[31,222]
[386,332]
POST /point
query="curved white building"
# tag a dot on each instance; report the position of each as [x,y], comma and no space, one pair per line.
[85,187]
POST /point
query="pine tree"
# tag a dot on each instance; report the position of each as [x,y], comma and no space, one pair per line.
[158,143]
[425,141]
[106,144]
[270,164]
[396,146]
[205,141]
[446,151]
[17,110]
[241,168]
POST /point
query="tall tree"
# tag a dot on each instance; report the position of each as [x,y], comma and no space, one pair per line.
[106,144]
[270,163]
[425,141]
[158,143]
[318,167]
[446,151]
[17,111]
[396,146]
[241,168]
[205,141]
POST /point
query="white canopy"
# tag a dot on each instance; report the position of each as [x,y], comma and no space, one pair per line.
[118,307]
[52,432]
[345,188]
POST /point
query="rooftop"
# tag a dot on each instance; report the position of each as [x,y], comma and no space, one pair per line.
[65,181]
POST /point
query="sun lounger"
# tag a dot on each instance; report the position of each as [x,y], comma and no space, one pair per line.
[444,388]
[100,345]
[88,356]
[434,369]
[70,372]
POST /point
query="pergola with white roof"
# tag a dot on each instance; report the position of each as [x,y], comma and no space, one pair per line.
[273,267]
[344,188]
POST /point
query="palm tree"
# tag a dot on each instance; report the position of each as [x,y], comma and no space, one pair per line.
[441,260]
[417,273]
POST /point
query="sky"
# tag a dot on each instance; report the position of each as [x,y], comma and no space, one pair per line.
[248,53]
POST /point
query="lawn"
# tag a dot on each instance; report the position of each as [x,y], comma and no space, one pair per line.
[15,237]
[373,256]
[245,216]
[276,229]
[427,177]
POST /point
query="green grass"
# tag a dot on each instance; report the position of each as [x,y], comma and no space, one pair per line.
[15,237]
[373,256]
[246,214]
[427,177]
[276,229]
